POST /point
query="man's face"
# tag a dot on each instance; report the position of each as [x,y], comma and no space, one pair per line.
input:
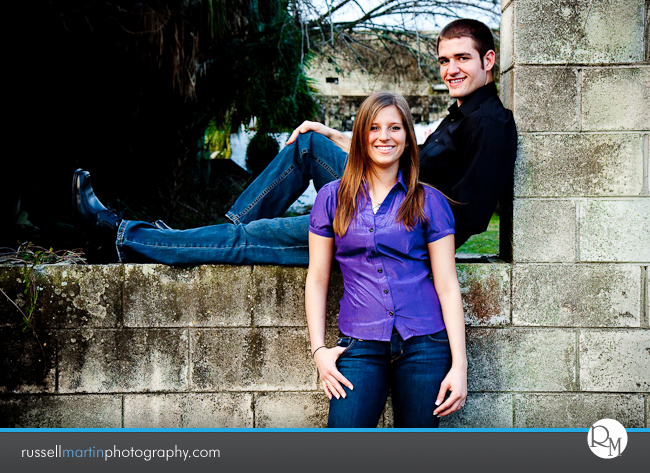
[461,67]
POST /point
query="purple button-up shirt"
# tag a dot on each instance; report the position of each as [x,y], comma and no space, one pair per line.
[385,267]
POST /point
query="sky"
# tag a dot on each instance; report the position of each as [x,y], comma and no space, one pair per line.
[353,10]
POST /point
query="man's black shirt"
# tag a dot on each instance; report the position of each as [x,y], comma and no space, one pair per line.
[471,157]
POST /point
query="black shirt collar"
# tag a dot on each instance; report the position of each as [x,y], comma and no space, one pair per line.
[474,100]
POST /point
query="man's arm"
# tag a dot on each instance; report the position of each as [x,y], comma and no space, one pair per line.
[336,136]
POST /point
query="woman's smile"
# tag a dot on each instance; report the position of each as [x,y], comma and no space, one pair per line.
[387,138]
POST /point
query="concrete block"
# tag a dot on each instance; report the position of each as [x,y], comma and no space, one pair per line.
[585,295]
[506,40]
[252,360]
[517,359]
[291,410]
[579,165]
[485,289]
[213,410]
[12,283]
[482,411]
[68,296]
[278,296]
[543,230]
[545,99]
[551,32]
[615,360]
[615,98]
[506,89]
[615,230]
[61,412]
[577,411]
[27,361]
[127,360]
[167,296]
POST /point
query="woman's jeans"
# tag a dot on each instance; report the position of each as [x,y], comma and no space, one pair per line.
[256,235]
[412,370]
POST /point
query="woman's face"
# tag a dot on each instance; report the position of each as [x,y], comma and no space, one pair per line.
[387,138]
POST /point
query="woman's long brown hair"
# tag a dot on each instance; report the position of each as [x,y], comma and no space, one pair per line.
[360,165]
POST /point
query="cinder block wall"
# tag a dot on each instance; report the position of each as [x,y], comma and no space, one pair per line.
[576,73]
[559,337]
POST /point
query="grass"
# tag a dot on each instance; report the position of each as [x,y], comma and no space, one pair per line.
[486,242]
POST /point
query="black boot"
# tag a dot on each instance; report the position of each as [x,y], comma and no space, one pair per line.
[102,222]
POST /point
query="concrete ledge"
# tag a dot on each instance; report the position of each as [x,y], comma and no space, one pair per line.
[152,345]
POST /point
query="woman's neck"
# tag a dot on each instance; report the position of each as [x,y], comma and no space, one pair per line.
[381,181]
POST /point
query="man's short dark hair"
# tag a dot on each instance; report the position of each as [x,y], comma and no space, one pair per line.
[466,28]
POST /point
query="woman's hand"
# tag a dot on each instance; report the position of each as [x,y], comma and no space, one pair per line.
[456,383]
[330,377]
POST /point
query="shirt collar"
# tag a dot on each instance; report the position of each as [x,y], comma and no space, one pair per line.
[473,101]
[400,181]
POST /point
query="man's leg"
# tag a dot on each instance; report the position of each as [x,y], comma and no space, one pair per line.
[268,241]
[311,156]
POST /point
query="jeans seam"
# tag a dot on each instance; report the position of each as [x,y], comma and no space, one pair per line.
[322,163]
[236,218]
[214,247]
[119,240]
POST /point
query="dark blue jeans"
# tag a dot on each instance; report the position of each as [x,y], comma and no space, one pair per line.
[412,370]
[256,236]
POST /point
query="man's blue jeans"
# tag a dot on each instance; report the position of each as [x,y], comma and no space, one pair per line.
[412,370]
[256,236]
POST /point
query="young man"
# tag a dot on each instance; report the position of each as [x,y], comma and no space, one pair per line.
[470,158]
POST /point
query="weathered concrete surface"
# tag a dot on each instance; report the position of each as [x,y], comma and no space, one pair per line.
[65,412]
[166,296]
[586,295]
[252,360]
[210,410]
[27,361]
[559,165]
[615,230]
[278,295]
[615,360]
[485,290]
[489,410]
[545,99]
[543,230]
[294,410]
[577,410]
[506,40]
[550,32]
[519,359]
[127,360]
[616,98]
[69,296]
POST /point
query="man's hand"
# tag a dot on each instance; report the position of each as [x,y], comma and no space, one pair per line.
[336,136]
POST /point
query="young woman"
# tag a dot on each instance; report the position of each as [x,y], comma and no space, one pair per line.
[399,332]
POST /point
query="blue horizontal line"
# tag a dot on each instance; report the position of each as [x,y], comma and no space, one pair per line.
[262,430]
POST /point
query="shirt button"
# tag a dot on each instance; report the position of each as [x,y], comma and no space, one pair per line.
[390,313]
[380,270]
[371,230]
[385,291]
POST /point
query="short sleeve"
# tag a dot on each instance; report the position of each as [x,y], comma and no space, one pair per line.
[440,217]
[322,213]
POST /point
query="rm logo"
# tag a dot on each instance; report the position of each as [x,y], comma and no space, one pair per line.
[607,438]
